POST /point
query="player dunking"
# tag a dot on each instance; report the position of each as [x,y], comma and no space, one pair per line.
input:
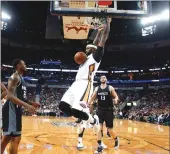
[12,113]
[105,93]
[82,88]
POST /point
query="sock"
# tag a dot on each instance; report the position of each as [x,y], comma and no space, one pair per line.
[80,139]
[81,134]
[91,119]
[99,142]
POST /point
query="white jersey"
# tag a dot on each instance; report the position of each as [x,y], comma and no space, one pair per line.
[88,70]
[82,89]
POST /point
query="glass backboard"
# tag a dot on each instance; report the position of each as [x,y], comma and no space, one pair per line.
[114,9]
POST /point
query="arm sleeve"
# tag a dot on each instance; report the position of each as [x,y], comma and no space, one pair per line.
[98,54]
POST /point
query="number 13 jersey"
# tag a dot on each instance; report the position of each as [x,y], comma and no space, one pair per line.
[104,98]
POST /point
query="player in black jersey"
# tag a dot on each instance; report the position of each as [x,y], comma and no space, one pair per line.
[15,100]
[12,113]
[105,93]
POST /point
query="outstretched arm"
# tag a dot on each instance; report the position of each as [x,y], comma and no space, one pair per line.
[98,36]
[105,34]
[101,39]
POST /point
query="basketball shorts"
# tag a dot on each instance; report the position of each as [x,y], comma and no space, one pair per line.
[12,134]
[106,116]
[79,91]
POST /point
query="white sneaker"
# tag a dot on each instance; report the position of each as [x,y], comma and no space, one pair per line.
[103,145]
[80,146]
[116,144]
[5,152]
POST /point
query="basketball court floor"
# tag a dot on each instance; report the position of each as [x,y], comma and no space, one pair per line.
[49,135]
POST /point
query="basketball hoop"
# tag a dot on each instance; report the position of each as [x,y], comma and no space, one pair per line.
[96,22]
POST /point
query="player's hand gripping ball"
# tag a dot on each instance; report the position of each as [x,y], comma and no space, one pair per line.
[80,57]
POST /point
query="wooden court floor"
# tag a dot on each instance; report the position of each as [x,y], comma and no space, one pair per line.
[47,135]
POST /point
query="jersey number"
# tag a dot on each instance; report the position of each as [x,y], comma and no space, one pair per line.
[103,98]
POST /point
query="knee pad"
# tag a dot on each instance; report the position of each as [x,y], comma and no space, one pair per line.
[66,108]
[80,114]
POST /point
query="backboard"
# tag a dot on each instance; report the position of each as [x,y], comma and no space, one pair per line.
[89,8]
[80,16]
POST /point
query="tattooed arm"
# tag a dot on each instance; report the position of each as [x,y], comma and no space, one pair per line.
[98,36]
[104,33]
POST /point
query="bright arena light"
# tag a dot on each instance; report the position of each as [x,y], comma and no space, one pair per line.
[3,25]
[163,16]
[5,16]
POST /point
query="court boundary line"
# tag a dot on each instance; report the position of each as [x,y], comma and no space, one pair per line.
[157,145]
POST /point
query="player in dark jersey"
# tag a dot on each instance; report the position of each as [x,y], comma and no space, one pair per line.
[105,93]
[12,113]
[3,95]
[15,100]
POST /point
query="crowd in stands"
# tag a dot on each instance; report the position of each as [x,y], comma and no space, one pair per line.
[70,76]
[153,107]
[147,105]
[139,76]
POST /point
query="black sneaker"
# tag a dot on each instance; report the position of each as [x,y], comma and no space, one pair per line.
[108,134]
[116,143]
[99,149]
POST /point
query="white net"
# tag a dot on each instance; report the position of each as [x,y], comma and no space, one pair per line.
[96,22]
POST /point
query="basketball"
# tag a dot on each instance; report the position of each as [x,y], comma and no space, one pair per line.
[80,57]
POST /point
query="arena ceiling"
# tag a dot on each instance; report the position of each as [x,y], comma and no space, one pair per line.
[30,17]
